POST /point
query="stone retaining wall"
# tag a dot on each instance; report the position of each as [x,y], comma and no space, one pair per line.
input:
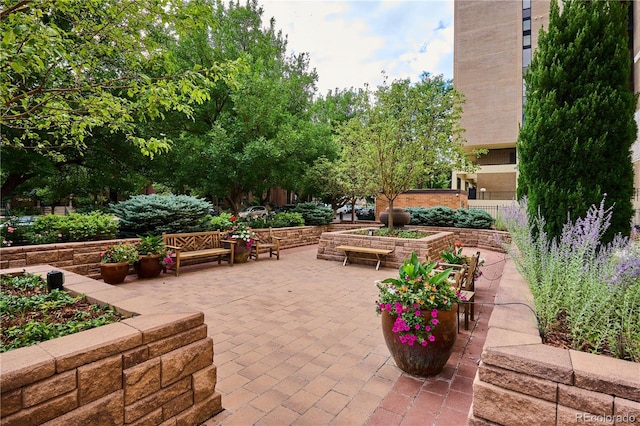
[153,368]
[427,247]
[521,381]
[84,257]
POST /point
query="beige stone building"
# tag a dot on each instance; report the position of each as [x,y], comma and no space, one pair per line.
[493,43]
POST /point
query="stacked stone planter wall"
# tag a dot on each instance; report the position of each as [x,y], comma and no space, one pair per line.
[426,248]
[84,258]
[522,381]
[153,368]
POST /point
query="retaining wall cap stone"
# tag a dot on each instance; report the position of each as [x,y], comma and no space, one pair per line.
[158,326]
[90,345]
[542,361]
[606,374]
[498,337]
[24,366]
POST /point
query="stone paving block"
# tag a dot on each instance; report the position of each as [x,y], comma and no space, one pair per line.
[626,412]
[585,400]
[10,402]
[507,407]
[99,378]
[518,382]
[186,360]
[141,380]
[48,388]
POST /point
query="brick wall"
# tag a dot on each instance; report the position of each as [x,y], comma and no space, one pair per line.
[522,381]
[154,368]
[453,198]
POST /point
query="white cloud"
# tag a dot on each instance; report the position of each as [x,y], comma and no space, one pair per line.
[350,43]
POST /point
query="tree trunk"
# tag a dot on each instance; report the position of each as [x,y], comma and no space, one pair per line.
[390,224]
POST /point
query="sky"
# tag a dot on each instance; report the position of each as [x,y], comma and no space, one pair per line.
[350,43]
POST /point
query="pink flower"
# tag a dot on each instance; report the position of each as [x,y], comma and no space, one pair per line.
[59,235]
[434,321]
[434,313]
[432,338]
[418,313]
[10,229]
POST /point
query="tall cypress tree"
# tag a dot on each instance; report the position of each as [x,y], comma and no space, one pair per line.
[574,146]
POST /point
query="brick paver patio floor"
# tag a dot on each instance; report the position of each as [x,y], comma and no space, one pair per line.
[297,342]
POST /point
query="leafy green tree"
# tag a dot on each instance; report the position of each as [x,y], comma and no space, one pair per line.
[403,132]
[335,179]
[252,136]
[574,146]
[69,67]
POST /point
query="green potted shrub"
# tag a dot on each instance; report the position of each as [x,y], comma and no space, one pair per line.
[152,252]
[115,261]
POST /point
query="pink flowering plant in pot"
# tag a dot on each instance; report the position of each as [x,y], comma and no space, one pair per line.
[416,299]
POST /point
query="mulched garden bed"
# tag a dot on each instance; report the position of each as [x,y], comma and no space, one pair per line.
[31,314]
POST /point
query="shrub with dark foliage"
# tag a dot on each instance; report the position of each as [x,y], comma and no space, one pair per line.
[314,214]
[473,218]
[434,216]
[155,214]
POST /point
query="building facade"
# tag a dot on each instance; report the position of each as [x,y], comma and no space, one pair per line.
[493,45]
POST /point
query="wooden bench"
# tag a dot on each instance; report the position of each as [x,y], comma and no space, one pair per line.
[264,243]
[380,253]
[193,245]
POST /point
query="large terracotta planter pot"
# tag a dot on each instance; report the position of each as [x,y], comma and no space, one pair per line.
[114,273]
[400,217]
[241,252]
[148,266]
[421,360]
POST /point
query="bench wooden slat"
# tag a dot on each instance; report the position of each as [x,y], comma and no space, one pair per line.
[368,250]
[364,249]
[191,245]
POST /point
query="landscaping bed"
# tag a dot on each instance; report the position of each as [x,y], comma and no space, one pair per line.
[31,314]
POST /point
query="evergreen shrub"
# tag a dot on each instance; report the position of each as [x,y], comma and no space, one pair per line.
[314,214]
[473,218]
[433,216]
[155,214]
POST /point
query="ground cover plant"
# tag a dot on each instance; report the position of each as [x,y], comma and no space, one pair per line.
[31,314]
[586,293]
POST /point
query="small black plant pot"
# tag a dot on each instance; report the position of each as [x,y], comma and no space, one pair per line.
[55,280]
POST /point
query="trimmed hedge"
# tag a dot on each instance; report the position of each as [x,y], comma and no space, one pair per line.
[446,216]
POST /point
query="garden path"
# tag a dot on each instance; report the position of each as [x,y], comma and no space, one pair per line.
[297,342]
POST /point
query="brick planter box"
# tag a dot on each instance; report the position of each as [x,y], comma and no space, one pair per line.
[155,367]
[522,381]
[427,247]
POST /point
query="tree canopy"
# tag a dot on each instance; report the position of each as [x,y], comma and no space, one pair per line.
[403,133]
[250,136]
[69,67]
[574,145]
